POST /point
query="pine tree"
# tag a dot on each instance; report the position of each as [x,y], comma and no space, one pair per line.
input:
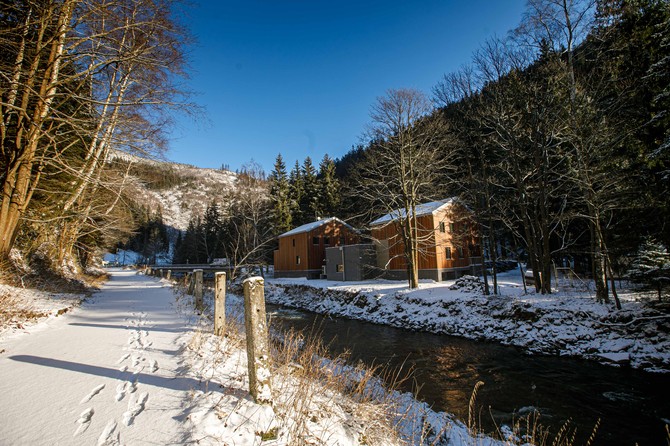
[329,186]
[211,232]
[297,190]
[651,264]
[178,255]
[311,199]
[280,195]
[191,251]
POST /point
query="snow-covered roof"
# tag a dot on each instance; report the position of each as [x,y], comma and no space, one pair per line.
[315,224]
[422,209]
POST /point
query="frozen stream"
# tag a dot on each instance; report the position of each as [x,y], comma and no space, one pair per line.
[633,406]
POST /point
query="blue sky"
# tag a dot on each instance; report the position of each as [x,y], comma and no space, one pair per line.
[298,77]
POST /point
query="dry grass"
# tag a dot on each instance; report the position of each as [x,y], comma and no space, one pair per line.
[40,274]
[14,313]
[316,392]
[314,395]
[316,400]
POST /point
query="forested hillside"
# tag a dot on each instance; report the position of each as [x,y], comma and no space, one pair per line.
[163,198]
[555,136]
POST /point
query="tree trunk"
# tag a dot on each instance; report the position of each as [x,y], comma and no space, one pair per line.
[17,186]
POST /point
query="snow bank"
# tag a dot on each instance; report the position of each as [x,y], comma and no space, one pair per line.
[308,407]
[21,308]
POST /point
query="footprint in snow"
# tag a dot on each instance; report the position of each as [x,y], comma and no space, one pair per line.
[109,436]
[134,408]
[84,421]
[125,388]
[123,358]
[92,393]
[132,386]
[153,365]
[121,390]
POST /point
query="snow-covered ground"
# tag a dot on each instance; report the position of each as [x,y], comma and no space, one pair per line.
[122,258]
[315,407]
[21,309]
[134,365]
[568,322]
[104,373]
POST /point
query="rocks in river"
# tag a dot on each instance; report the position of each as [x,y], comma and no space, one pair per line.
[620,358]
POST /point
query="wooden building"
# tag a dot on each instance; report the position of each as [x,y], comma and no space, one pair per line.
[448,247]
[302,251]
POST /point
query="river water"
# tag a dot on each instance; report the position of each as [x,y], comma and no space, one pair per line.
[633,406]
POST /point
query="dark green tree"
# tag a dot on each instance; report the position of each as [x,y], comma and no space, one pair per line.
[280,191]
[297,190]
[310,204]
[211,232]
[329,185]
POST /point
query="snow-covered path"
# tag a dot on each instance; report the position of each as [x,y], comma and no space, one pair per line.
[107,373]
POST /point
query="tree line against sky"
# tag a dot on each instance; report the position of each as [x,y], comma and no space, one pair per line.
[556,136]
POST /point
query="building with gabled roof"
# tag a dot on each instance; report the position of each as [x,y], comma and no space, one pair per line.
[448,247]
[302,250]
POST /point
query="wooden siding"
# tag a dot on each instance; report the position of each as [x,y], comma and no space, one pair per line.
[312,256]
[458,236]
[432,242]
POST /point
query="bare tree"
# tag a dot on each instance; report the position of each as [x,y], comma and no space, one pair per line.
[31,75]
[509,150]
[248,229]
[402,166]
[107,72]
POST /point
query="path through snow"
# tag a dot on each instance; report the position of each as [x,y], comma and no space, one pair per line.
[106,374]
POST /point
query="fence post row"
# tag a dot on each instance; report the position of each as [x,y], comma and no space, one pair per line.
[219,303]
[258,348]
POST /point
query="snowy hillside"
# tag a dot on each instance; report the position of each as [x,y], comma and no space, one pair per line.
[180,190]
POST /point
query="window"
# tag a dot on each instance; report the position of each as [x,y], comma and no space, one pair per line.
[448,253]
[340,268]
[342,241]
[442,227]
[294,243]
[297,260]
[460,253]
[452,227]
[315,240]
[326,240]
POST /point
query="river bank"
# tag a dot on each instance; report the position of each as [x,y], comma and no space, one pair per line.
[567,323]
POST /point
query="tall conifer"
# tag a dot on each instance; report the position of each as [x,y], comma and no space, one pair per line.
[297,190]
[329,187]
[280,194]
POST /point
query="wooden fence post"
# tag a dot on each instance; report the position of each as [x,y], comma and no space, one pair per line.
[197,289]
[258,348]
[190,282]
[169,274]
[219,303]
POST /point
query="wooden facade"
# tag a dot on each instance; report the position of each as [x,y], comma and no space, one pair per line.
[302,251]
[448,246]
